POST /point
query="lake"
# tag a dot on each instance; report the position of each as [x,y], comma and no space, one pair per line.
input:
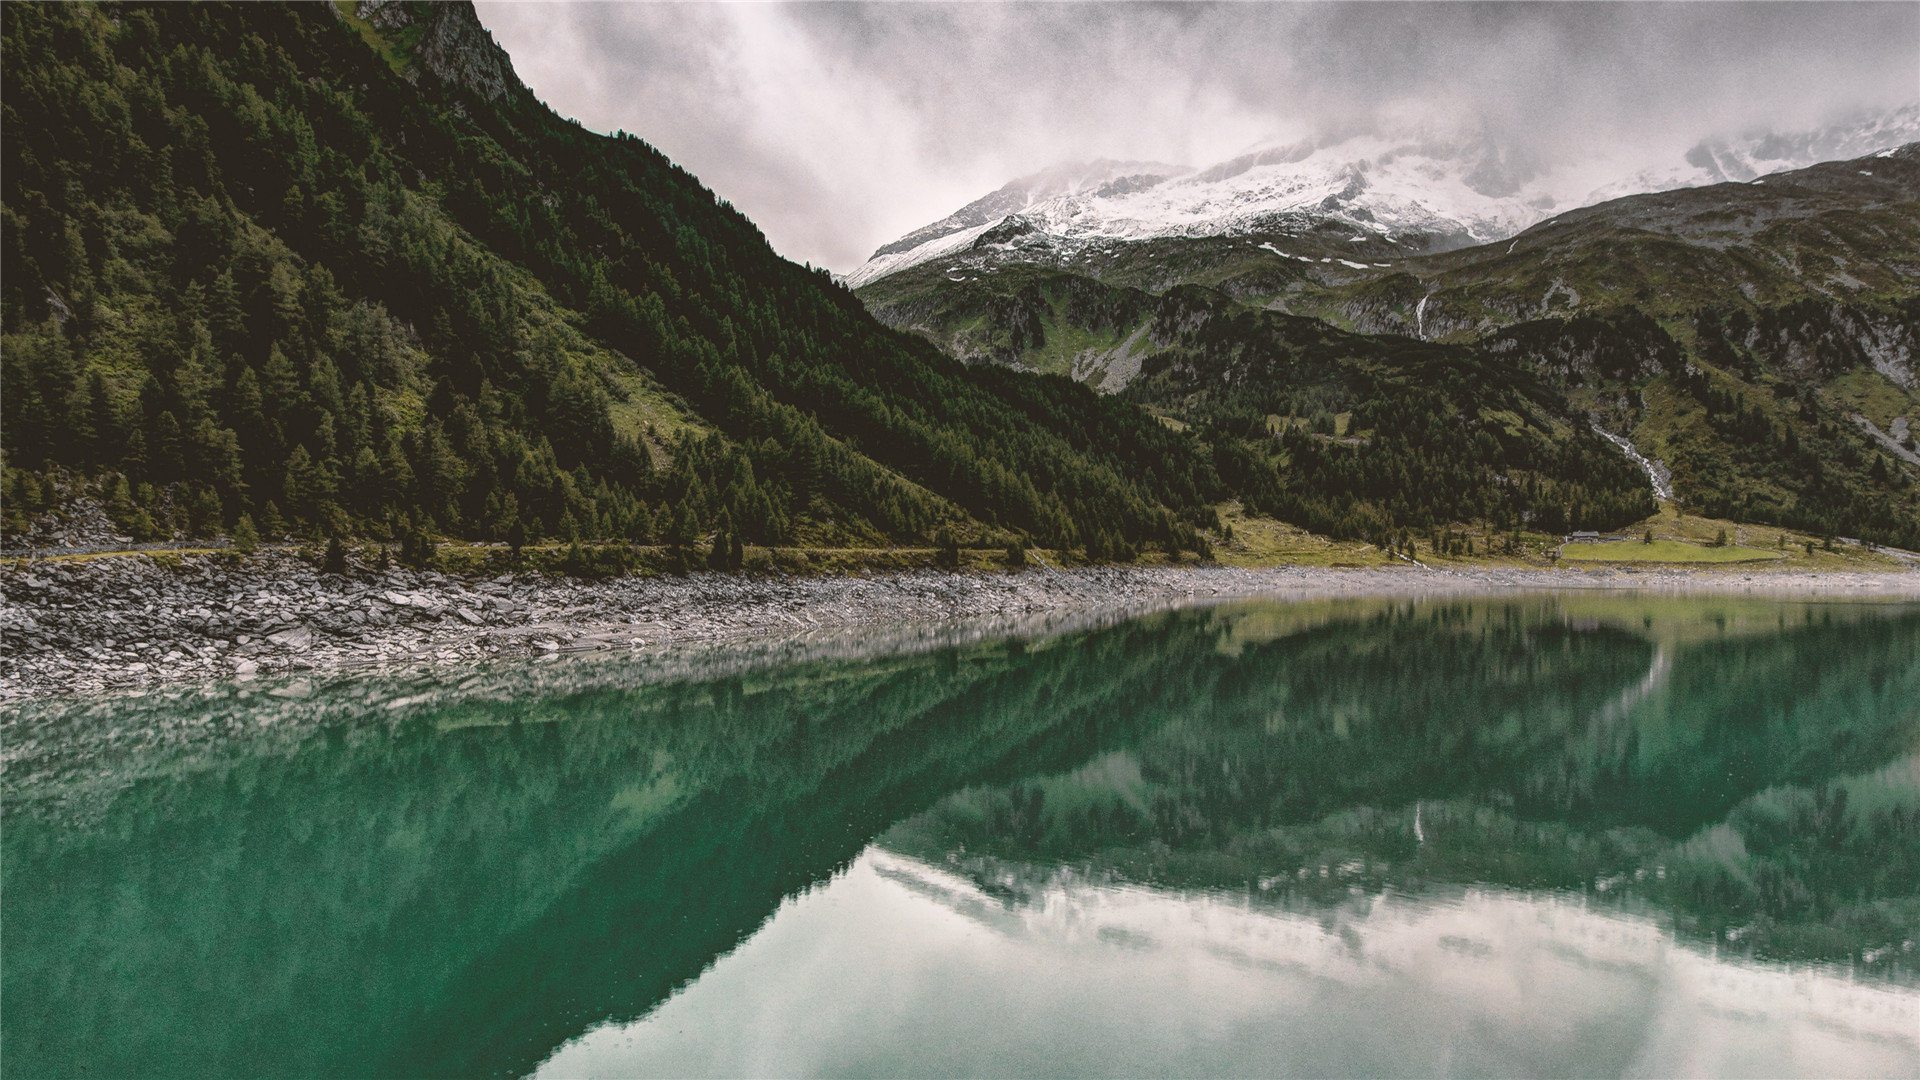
[1590,834]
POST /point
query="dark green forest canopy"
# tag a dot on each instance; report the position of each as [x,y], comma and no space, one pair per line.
[1435,433]
[264,264]
[252,270]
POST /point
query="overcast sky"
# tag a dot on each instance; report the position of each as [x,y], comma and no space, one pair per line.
[840,126]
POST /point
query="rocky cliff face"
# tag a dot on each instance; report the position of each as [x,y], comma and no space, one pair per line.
[446,40]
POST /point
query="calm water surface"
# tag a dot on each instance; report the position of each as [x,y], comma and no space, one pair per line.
[1557,835]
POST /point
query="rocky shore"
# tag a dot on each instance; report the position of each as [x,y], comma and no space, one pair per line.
[84,626]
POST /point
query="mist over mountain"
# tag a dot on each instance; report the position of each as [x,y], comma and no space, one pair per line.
[1418,192]
[1756,153]
[841,127]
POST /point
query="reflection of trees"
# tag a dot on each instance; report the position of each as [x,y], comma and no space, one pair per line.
[1817,699]
[386,896]
[458,892]
[1303,776]
[1439,699]
[1810,877]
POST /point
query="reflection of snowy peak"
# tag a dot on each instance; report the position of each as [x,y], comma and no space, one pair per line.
[1425,193]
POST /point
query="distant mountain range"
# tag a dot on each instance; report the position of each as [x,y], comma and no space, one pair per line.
[1409,194]
[1757,339]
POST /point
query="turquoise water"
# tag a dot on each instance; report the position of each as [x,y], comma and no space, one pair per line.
[1579,835]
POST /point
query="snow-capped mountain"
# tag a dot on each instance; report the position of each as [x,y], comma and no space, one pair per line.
[1072,181]
[1757,153]
[1103,177]
[1419,193]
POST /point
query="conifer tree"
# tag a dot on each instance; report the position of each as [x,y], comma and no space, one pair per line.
[335,559]
[720,557]
[246,540]
[948,543]
[682,533]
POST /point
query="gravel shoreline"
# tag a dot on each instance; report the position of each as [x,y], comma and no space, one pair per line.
[86,626]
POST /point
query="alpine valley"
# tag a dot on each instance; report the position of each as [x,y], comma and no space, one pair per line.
[1335,317]
[470,607]
[332,272]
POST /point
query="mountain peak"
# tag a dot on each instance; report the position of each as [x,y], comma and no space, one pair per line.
[1102,176]
[1426,190]
[446,39]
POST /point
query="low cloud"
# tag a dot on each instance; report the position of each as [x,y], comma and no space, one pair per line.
[839,126]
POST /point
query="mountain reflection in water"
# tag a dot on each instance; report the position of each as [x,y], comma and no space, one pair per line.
[901,968]
[1584,834]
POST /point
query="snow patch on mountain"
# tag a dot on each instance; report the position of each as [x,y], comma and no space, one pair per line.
[1103,176]
[883,264]
[1756,154]
[1427,192]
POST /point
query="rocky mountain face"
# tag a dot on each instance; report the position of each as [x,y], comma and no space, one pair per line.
[448,42]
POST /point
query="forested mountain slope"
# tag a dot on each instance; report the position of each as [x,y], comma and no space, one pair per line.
[336,270]
[1844,232]
[1759,338]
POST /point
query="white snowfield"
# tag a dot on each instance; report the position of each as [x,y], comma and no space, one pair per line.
[1459,192]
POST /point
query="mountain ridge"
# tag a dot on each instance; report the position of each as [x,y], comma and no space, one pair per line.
[337,281]
[328,279]
[1758,338]
[1418,193]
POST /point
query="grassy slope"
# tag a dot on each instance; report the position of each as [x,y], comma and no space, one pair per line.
[1801,284]
[1664,551]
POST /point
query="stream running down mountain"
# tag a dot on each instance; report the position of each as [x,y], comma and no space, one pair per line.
[1567,834]
[1657,472]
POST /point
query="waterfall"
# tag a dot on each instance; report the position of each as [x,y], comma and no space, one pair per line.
[1656,472]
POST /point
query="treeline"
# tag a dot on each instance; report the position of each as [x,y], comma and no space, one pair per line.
[1750,434]
[251,272]
[1782,459]
[1435,434]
